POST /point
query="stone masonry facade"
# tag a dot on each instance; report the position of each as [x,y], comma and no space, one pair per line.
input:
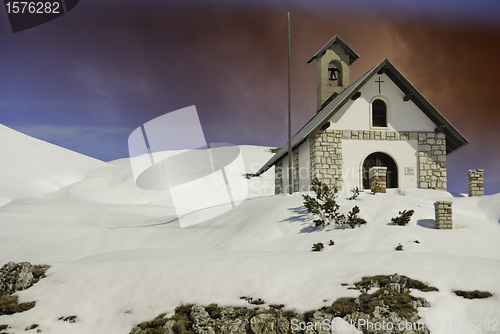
[278,177]
[432,160]
[296,169]
[326,156]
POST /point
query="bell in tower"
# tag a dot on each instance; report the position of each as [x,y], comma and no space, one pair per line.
[333,61]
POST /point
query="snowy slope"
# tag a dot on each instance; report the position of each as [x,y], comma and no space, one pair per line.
[119,257]
[32,167]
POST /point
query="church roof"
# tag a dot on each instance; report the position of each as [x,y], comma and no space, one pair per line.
[353,56]
[454,139]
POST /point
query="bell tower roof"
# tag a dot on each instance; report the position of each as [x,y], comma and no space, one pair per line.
[353,56]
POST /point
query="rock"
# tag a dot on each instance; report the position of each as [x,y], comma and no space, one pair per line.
[199,316]
[31,327]
[263,324]
[71,319]
[394,286]
[20,276]
[137,330]
[168,328]
[395,278]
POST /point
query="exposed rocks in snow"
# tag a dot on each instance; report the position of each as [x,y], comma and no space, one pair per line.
[70,319]
[476,294]
[32,327]
[213,319]
[20,276]
[16,277]
[390,309]
[252,301]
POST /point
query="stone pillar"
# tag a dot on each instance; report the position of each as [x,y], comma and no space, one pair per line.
[443,215]
[378,174]
[278,178]
[476,182]
[432,160]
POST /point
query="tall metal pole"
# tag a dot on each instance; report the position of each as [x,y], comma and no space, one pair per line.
[290,158]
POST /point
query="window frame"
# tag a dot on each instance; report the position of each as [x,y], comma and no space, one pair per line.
[387,113]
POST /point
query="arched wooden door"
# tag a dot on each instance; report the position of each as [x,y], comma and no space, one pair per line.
[379,159]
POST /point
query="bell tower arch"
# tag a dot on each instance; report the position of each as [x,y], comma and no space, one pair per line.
[332,68]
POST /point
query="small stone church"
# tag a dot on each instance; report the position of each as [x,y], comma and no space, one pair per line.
[379,128]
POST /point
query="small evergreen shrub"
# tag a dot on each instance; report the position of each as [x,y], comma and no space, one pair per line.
[399,247]
[376,187]
[331,243]
[318,247]
[416,241]
[355,193]
[326,208]
[352,218]
[403,218]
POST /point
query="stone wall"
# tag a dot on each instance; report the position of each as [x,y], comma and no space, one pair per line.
[443,214]
[295,172]
[326,157]
[379,135]
[431,153]
[278,178]
[476,182]
[432,160]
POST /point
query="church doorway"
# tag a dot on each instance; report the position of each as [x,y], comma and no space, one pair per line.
[379,159]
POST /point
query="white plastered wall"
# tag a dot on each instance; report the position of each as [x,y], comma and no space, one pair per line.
[304,166]
[402,116]
[404,153]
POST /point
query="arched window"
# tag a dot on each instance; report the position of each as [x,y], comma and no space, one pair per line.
[379,159]
[379,113]
[334,73]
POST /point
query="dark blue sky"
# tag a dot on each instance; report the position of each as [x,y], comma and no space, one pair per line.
[86,80]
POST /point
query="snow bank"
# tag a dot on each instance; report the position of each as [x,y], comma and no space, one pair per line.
[32,167]
[118,256]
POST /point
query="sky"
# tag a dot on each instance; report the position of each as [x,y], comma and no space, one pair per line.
[86,80]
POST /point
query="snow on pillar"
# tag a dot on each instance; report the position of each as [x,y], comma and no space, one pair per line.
[378,174]
[443,215]
[476,182]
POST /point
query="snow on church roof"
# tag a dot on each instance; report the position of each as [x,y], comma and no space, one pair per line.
[454,139]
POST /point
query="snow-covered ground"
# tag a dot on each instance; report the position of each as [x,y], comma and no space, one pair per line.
[119,257]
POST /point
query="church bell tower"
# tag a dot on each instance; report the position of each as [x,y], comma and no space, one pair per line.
[333,61]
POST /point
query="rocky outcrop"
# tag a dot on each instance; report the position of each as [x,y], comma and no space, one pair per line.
[224,320]
[388,310]
[16,277]
[20,276]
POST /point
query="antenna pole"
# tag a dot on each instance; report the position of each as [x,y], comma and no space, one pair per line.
[290,157]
